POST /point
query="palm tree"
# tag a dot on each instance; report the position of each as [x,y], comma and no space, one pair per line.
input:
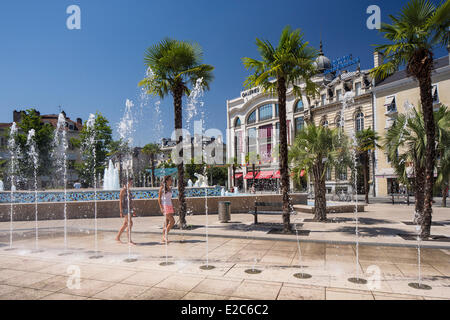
[152,150]
[280,68]
[317,149]
[366,141]
[414,34]
[405,144]
[443,149]
[172,65]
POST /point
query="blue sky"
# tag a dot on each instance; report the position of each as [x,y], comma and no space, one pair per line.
[45,65]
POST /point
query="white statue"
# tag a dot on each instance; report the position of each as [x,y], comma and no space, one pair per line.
[190,184]
[2,187]
[201,182]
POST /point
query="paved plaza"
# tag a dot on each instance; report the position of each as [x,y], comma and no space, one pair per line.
[328,253]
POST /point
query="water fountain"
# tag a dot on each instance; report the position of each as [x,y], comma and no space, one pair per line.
[301,274]
[13,150]
[60,145]
[125,131]
[2,186]
[357,279]
[90,147]
[111,177]
[31,143]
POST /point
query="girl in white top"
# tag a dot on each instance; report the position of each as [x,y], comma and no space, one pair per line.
[166,206]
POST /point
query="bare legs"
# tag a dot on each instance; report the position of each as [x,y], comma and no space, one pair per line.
[169,222]
[122,229]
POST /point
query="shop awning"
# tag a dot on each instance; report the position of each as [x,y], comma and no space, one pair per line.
[238,175]
[264,175]
[277,175]
[249,176]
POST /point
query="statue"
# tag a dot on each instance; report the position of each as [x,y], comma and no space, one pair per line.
[201,182]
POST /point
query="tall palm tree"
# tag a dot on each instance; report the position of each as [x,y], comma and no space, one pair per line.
[317,149]
[280,68]
[172,66]
[406,146]
[366,141]
[152,150]
[418,29]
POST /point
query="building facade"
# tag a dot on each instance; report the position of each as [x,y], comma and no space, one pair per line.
[390,96]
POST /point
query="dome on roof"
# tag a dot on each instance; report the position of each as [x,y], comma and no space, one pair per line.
[322,62]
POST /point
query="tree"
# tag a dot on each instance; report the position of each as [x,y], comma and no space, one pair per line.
[366,141]
[418,29]
[443,150]
[280,68]
[405,144]
[30,119]
[172,65]
[93,141]
[317,149]
[152,150]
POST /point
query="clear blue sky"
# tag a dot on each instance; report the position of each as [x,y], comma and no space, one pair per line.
[45,65]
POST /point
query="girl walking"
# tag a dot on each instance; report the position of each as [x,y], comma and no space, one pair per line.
[166,206]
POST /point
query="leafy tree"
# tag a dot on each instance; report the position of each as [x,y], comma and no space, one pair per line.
[419,28]
[317,149]
[280,68]
[405,143]
[30,119]
[366,141]
[152,150]
[94,143]
[172,66]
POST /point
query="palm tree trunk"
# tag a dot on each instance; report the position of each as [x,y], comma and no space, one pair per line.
[366,175]
[178,111]
[427,108]
[419,192]
[284,154]
[153,170]
[320,201]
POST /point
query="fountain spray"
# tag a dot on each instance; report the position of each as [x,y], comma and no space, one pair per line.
[31,143]
[13,150]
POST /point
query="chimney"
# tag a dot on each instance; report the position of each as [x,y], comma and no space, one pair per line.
[377,59]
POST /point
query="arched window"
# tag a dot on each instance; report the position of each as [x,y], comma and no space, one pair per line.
[252,118]
[299,106]
[265,112]
[324,123]
[237,123]
[359,121]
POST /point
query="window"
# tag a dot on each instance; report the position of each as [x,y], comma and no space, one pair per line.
[251,145]
[252,118]
[265,112]
[434,91]
[299,106]
[324,123]
[237,123]
[341,173]
[338,95]
[299,124]
[323,99]
[328,174]
[359,121]
[276,111]
[390,104]
[358,88]
[265,143]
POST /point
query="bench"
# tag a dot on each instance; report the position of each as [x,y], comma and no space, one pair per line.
[264,204]
[399,195]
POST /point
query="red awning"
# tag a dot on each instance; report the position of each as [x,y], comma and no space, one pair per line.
[264,175]
[277,175]
[238,175]
[249,175]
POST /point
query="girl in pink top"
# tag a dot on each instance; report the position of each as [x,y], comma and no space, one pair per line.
[166,206]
